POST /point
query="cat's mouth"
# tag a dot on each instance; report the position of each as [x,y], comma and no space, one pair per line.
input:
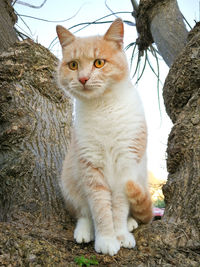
[86,89]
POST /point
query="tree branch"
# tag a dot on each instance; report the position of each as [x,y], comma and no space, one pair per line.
[135,7]
[52,21]
[29,5]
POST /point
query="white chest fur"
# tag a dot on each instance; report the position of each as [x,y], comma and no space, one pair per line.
[105,128]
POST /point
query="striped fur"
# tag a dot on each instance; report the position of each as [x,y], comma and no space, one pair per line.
[140,200]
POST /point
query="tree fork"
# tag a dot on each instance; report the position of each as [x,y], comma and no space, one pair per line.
[161,21]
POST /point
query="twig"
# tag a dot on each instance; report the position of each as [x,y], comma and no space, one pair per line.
[129,45]
[130,23]
[24,24]
[110,9]
[21,34]
[135,7]
[151,65]
[52,21]
[158,79]
[132,56]
[137,66]
[144,66]
[86,24]
[14,2]
[29,5]
[187,22]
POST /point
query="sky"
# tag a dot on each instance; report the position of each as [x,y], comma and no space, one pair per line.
[79,11]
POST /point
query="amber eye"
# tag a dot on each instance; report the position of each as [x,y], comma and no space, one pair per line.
[73,65]
[99,63]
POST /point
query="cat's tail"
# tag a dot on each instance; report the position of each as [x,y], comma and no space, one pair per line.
[140,202]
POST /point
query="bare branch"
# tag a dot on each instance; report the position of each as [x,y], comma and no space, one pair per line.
[100,22]
[14,2]
[22,34]
[29,5]
[25,25]
[133,54]
[130,23]
[52,21]
[143,69]
[158,79]
[187,22]
[135,7]
[87,24]
[110,9]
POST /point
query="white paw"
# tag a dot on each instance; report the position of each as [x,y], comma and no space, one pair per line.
[132,224]
[107,245]
[84,232]
[126,239]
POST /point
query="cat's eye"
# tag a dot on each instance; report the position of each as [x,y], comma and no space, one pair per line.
[73,65]
[99,63]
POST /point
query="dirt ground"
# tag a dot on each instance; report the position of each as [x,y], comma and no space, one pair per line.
[52,244]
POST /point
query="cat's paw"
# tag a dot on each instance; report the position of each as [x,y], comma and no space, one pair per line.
[107,245]
[132,224]
[126,239]
[84,232]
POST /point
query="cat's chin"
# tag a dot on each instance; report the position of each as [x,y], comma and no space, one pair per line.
[88,93]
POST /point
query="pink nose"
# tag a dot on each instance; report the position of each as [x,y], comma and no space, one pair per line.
[83,80]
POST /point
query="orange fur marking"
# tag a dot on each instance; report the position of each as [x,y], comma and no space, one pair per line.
[139,143]
[141,204]
[94,184]
[89,164]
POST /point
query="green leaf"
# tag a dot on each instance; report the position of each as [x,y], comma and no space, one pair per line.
[82,261]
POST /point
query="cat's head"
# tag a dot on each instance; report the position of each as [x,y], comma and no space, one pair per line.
[92,66]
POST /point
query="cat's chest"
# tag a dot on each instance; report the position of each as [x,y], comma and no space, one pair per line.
[106,134]
[106,126]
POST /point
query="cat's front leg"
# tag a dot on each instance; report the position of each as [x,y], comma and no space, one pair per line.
[84,232]
[99,199]
[132,224]
[120,217]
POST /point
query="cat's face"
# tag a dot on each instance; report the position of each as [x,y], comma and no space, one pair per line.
[91,66]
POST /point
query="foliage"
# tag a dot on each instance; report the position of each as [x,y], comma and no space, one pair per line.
[159,203]
[82,261]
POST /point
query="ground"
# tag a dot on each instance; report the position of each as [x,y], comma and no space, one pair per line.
[52,244]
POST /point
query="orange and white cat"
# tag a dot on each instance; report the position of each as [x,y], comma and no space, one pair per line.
[104,176]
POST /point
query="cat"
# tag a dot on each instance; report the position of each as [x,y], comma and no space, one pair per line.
[104,176]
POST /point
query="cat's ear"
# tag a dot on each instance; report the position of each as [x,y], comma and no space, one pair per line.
[65,37]
[115,32]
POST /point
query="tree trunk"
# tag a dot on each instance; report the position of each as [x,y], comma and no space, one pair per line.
[161,21]
[181,94]
[8,18]
[35,118]
[182,100]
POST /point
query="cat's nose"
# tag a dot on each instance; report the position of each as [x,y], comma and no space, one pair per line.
[83,80]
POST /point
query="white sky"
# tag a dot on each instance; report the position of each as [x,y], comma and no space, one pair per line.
[44,32]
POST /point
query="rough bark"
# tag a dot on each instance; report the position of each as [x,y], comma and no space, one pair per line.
[8,18]
[161,21]
[35,118]
[182,100]
[183,82]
